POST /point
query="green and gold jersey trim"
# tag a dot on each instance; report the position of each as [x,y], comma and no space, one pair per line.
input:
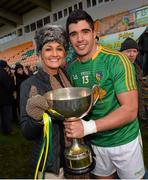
[98,50]
[130,83]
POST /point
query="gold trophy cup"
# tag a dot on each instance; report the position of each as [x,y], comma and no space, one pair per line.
[74,102]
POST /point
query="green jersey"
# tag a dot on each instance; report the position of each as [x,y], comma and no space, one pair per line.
[114,74]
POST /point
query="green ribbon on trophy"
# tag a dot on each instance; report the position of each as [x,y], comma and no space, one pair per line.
[47,144]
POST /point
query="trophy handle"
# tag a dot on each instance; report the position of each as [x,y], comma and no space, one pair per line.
[94,97]
[95,94]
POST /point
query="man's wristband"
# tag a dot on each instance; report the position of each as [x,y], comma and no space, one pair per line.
[89,127]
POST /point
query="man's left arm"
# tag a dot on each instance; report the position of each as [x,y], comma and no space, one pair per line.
[126,113]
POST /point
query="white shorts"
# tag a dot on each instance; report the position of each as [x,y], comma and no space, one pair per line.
[126,160]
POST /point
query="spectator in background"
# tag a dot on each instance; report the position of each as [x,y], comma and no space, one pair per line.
[30,69]
[6,92]
[143,45]
[26,70]
[130,48]
[20,76]
[14,104]
[145,95]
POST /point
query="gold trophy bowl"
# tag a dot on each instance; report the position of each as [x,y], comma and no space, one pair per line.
[71,103]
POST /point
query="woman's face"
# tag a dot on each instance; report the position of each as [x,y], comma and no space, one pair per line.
[52,56]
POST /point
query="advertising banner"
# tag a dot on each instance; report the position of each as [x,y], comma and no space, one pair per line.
[114,41]
[141,17]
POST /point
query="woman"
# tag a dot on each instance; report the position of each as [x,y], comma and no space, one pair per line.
[51,46]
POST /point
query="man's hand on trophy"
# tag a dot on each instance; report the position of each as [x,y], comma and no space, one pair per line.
[36,104]
[74,128]
[79,128]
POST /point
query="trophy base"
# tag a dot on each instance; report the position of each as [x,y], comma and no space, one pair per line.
[81,171]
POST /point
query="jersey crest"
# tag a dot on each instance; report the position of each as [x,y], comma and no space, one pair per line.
[99,76]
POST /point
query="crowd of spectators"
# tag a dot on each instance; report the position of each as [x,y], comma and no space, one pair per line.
[11,78]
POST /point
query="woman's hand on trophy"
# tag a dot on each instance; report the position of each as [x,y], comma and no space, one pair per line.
[36,104]
[74,128]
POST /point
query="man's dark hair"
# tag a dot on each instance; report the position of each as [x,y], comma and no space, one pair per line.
[78,15]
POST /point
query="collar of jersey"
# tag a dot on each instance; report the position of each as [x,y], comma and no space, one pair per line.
[99,48]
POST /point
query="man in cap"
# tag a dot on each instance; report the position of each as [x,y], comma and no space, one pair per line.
[130,48]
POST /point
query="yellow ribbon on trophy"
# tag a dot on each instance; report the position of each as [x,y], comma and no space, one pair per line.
[47,144]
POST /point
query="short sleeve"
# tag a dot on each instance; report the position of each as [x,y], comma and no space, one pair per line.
[123,74]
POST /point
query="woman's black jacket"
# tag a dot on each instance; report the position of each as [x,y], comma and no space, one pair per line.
[34,131]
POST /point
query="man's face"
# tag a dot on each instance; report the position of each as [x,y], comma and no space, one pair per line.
[82,38]
[131,54]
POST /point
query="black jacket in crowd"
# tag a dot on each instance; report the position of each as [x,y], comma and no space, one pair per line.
[143,42]
[34,131]
[6,88]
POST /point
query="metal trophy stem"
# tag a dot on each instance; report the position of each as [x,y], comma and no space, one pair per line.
[71,103]
[78,158]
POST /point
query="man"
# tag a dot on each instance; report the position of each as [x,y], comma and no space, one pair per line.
[130,48]
[112,122]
